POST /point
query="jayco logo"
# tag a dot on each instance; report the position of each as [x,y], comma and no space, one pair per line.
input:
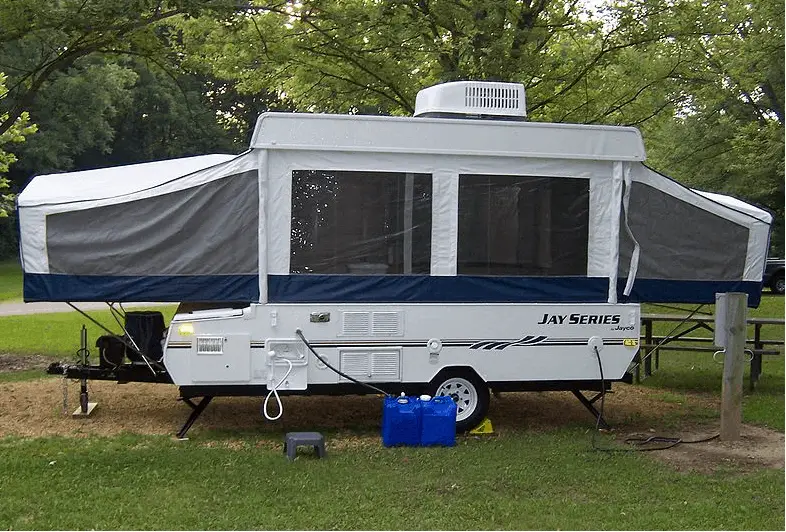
[579,319]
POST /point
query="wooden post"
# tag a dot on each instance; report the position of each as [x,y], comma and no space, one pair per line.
[731,391]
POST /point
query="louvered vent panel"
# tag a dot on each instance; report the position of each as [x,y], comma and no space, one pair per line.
[473,98]
[386,323]
[210,345]
[385,366]
[355,324]
[372,365]
[355,364]
[491,97]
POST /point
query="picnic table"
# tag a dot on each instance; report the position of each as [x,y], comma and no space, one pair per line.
[651,345]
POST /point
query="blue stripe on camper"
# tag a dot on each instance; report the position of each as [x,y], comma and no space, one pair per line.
[57,287]
[669,291]
[313,288]
[372,289]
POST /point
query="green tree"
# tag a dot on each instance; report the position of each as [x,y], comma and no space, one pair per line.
[16,133]
[41,39]
[109,111]
[168,115]
[728,134]
[75,111]
[373,57]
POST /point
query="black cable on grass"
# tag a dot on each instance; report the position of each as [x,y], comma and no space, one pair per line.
[637,441]
[671,442]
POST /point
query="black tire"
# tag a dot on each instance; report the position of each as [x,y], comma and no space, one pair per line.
[776,285]
[468,390]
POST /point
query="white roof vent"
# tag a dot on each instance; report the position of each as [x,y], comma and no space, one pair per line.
[473,99]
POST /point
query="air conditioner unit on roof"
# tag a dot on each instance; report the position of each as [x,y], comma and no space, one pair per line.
[482,99]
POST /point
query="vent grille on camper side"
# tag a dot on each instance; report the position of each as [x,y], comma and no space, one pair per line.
[210,345]
[385,366]
[355,323]
[374,364]
[379,323]
[386,324]
[473,99]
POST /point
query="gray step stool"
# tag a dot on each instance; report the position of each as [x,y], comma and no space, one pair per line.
[293,439]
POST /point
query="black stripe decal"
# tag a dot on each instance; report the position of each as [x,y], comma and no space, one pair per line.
[486,345]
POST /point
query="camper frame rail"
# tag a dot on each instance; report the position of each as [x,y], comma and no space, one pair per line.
[198,398]
[121,374]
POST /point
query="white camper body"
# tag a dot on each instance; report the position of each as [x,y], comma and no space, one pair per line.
[425,253]
[410,343]
[414,347]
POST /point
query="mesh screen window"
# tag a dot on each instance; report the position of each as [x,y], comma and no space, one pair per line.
[347,222]
[517,225]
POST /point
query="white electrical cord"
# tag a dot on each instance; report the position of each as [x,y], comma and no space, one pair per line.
[274,392]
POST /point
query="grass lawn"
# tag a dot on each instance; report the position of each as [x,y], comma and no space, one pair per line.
[10,280]
[57,334]
[523,481]
[24,375]
[518,479]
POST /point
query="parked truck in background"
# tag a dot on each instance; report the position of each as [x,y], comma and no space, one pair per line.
[773,275]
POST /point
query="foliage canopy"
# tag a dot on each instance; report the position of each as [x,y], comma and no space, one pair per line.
[113,83]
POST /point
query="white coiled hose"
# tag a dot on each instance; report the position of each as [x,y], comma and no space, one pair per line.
[274,392]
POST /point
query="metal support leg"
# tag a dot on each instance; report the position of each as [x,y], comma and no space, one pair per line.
[188,401]
[647,362]
[588,404]
[83,396]
[755,370]
[196,411]
[85,406]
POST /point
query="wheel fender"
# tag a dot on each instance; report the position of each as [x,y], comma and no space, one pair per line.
[451,370]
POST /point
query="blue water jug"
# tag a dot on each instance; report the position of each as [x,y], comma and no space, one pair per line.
[438,423]
[401,421]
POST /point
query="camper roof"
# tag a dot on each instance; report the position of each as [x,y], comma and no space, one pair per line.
[113,181]
[385,134]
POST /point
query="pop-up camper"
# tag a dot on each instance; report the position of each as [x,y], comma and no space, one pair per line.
[455,251]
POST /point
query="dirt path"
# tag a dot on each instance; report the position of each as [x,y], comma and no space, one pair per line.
[46,307]
[35,408]
[10,363]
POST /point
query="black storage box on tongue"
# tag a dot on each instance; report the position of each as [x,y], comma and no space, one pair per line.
[146,329]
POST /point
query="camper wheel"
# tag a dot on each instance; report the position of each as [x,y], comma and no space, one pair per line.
[470,393]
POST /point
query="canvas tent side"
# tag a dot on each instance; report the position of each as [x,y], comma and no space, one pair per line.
[690,244]
[147,232]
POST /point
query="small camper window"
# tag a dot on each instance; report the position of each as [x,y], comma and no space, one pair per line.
[520,225]
[368,223]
